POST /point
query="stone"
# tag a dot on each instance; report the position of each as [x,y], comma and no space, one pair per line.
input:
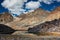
[5,17]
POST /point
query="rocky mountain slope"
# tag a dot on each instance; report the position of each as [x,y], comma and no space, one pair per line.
[29,19]
[52,27]
[49,27]
[32,19]
[5,17]
[55,14]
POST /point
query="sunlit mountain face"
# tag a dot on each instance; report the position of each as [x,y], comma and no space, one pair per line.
[24,6]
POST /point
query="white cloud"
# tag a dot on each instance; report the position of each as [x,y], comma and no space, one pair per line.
[14,6]
[58,0]
[49,1]
[46,1]
[10,3]
[33,5]
[30,10]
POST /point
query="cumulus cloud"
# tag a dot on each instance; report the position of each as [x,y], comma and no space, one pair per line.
[8,3]
[33,5]
[14,6]
[58,0]
[46,1]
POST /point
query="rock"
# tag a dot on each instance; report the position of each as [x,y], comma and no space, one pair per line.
[51,24]
[4,29]
[47,27]
[55,14]
[5,17]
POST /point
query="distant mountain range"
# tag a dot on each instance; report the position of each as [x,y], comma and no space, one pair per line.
[51,26]
[34,18]
[37,15]
[30,20]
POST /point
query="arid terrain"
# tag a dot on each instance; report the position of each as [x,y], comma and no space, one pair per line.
[43,18]
[5,17]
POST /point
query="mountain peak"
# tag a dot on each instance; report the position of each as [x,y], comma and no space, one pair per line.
[5,17]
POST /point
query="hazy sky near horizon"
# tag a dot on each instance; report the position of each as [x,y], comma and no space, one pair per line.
[27,5]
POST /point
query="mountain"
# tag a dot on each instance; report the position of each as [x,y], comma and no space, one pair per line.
[4,29]
[49,27]
[41,16]
[5,17]
[34,17]
[30,19]
[46,28]
[55,14]
[38,13]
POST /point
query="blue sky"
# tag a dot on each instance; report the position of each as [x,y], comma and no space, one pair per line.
[51,6]
[43,4]
[2,9]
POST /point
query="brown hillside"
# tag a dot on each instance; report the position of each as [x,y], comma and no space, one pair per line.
[55,14]
[34,18]
[5,18]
